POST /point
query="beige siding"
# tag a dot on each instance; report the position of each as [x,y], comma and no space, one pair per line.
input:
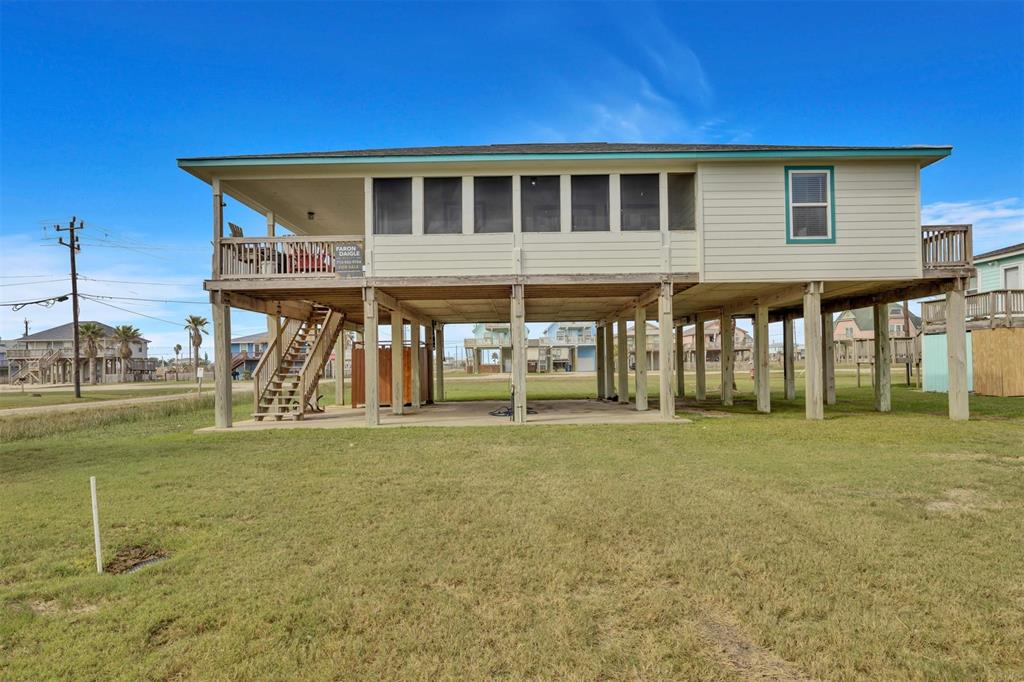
[582,253]
[877,228]
[442,254]
[684,250]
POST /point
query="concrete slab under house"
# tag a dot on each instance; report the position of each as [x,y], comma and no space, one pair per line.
[674,234]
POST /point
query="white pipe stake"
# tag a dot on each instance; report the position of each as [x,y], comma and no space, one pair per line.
[96,525]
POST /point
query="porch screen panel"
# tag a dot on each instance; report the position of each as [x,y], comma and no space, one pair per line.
[492,204]
[682,195]
[590,203]
[392,206]
[640,206]
[442,205]
[541,198]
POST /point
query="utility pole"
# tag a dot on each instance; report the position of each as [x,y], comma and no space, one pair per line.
[73,248]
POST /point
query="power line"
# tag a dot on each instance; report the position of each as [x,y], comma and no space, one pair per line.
[133,281]
[147,300]
[126,310]
[44,281]
[45,302]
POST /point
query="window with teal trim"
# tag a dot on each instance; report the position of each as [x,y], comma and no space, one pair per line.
[810,212]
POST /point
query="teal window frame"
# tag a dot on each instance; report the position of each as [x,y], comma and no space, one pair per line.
[831,239]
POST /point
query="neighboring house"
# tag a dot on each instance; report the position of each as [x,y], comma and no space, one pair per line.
[994,312]
[511,234]
[5,368]
[998,269]
[742,344]
[48,356]
[490,348]
[573,346]
[246,352]
[860,323]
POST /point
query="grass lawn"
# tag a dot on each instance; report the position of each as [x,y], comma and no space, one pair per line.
[36,398]
[866,546]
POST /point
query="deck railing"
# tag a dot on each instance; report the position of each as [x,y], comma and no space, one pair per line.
[271,257]
[1000,308]
[946,246]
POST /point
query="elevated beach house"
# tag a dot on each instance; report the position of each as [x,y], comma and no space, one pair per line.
[674,233]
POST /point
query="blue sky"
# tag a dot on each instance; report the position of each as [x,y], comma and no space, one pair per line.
[99,99]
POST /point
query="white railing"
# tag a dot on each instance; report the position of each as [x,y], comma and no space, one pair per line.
[946,246]
[268,257]
[270,362]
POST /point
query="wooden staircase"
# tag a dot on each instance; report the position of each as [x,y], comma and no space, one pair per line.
[288,374]
[32,370]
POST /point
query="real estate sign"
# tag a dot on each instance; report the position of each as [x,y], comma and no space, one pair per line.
[348,259]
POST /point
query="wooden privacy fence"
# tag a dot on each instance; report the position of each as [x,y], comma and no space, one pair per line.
[261,257]
[946,246]
[384,375]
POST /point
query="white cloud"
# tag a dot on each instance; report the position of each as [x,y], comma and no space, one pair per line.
[660,92]
[997,222]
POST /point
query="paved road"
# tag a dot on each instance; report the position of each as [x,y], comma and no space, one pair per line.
[43,410]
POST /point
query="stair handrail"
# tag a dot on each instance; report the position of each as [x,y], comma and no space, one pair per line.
[317,356]
[269,363]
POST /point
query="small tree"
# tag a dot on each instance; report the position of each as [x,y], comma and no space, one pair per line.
[177,353]
[91,334]
[195,325]
[125,335]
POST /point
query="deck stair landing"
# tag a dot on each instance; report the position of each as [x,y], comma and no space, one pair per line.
[288,374]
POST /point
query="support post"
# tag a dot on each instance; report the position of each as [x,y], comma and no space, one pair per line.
[680,364]
[599,360]
[700,360]
[828,358]
[439,359]
[623,361]
[518,321]
[883,380]
[813,398]
[789,358]
[762,374]
[222,360]
[666,399]
[956,347]
[371,355]
[727,360]
[428,341]
[339,369]
[414,362]
[640,353]
[397,366]
[609,361]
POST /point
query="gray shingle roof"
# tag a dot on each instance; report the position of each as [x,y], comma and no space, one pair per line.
[865,319]
[251,338]
[1015,248]
[65,332]
[565,148]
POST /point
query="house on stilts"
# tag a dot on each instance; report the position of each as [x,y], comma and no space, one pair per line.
[680,234]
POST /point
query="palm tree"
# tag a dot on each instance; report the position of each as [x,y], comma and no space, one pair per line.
[177,352]
[125,335]
[195,325]
[92,335]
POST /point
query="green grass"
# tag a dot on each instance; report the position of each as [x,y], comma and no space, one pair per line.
[866,546]
[32,397]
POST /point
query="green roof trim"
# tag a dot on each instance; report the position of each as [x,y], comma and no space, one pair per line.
[929,152]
